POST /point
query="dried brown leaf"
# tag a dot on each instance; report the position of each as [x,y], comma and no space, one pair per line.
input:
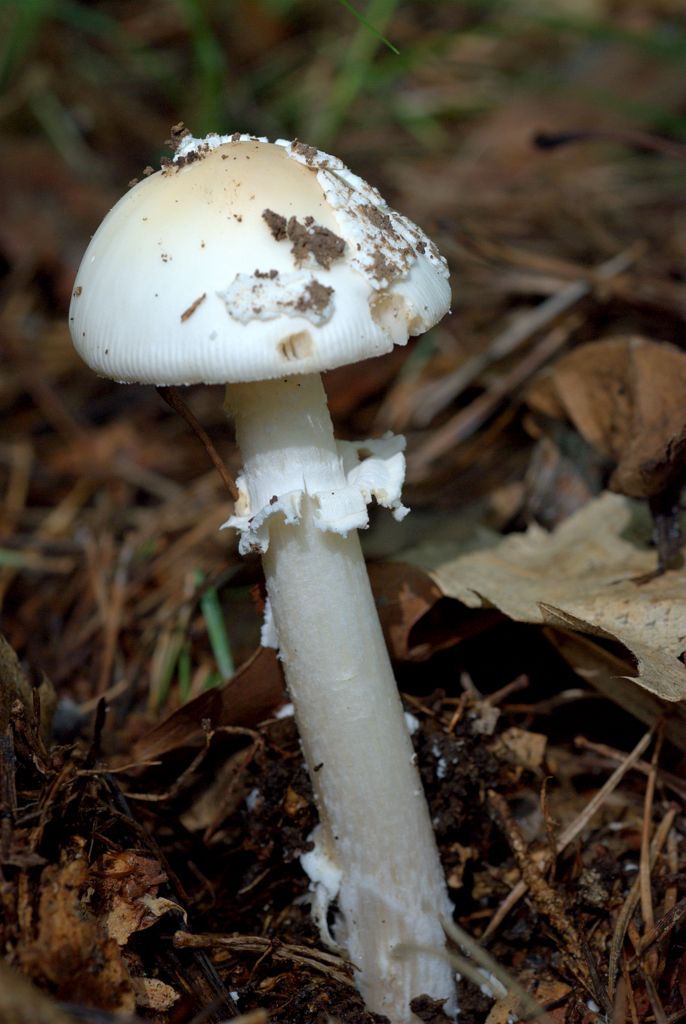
[69,942]
[403,594]
[625,395]
[126,880]
[153,994]
[592,384]
[245,700]
[583,577]
[525,748]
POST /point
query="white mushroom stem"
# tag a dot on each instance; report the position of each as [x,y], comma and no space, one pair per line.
[375,828]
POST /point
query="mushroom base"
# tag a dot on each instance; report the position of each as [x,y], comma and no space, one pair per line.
[375,828]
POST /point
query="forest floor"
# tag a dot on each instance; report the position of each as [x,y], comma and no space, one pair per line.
[153,798]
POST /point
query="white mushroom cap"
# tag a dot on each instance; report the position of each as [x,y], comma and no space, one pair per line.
[244,260]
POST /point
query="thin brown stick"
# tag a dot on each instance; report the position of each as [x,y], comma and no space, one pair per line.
[173,399]
[631,999]
[529,1008]
[115,614]
[548,900]
[572,830]
[316,959]
[654,998]
[441,393]
[631,137]
[668,780]
[631,902]
[644,878]
[662,928]
[468,420]
[620,1004]
[671,890]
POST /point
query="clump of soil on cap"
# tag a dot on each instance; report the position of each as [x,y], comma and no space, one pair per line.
[308,238]
[378,218]
[313,239]
[177,133]
[276,224]
[316,297]
[382,268]
[309,153]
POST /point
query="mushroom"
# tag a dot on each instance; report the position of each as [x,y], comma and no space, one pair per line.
[259,266]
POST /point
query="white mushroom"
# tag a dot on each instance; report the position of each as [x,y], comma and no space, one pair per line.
[259,266]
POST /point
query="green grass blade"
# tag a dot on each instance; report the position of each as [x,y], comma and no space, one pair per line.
[367,24]
[216,631]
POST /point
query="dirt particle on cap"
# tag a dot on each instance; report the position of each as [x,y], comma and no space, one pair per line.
[134,181]
[308,153]
[166,164]
[77,291]
[276,224]
[268,274]
[421,248]
[382,268]
[190,157]
[192,308]
[236,137]
[315,297]
[378,219]
[314,240]
[147,171]
[165,257]
[177,132]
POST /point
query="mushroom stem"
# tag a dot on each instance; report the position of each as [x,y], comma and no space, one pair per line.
[375,836]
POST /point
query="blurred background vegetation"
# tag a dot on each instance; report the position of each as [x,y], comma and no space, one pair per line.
[437,103]
[94,76]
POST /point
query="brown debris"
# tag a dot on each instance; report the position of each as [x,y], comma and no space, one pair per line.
[315,297]
[382,268]
[109,515]
[177,133]
[276,224]
[625,396]
[309,238]
[310,153]
[378,218]
[193,306]
[429,1011]
[314,240]
[67,942]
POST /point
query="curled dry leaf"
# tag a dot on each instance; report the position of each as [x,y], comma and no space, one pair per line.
[582,577]
[127,885]
[68,940]
[250,696]
[625,396]
[153,994]
[522,747]
[606,672]
[403,595]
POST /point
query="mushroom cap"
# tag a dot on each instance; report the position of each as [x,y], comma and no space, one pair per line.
[244,260]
